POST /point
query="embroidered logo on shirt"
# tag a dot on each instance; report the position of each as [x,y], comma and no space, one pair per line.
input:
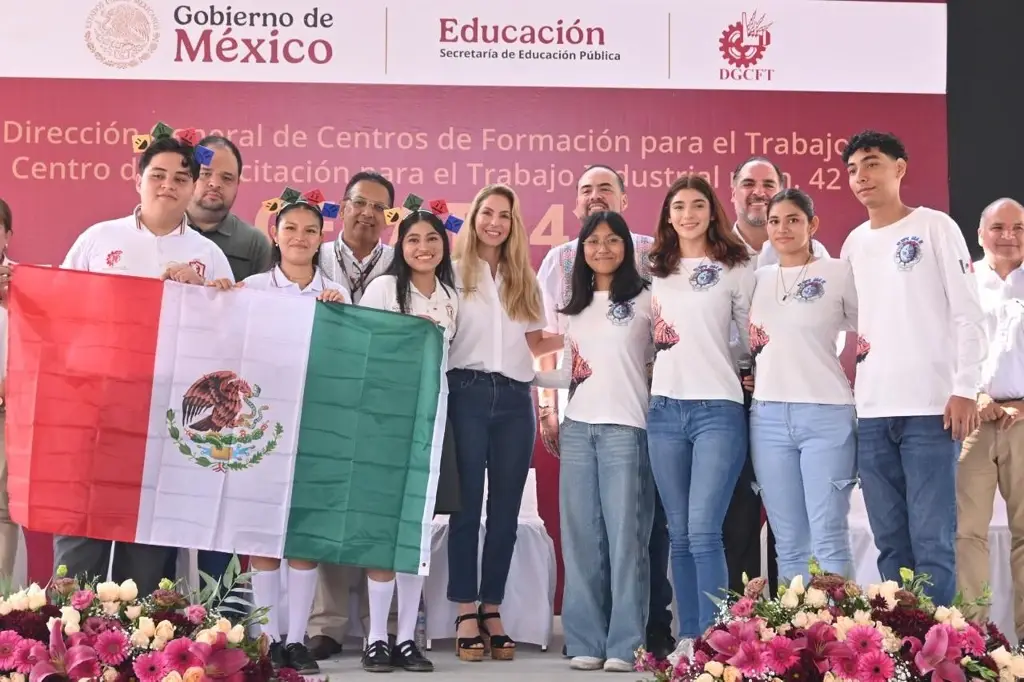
[113,258]
[665,335]
[705,276]
[198,266]
[966,266]
[620,314]
[580,369]
[863,348]
[810,290]
[758,339]
[908,252]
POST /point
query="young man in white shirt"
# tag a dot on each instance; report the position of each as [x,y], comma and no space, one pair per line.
[358,256]
[993,456]
[920,350]
[154,241]
[601,188]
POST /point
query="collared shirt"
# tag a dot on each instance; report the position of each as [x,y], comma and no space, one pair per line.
[276,280]
[341,265]
[1002,376]
[247,249]
[442,306]
[124,246]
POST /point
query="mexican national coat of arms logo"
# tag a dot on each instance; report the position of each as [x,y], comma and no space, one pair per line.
[214,432]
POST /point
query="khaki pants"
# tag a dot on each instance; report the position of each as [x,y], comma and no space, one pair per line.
[331,608]
[991,458]
[8,530]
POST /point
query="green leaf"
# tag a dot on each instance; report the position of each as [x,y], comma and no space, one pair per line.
[202,461]
[175,434]
[170,414]
[183,449]
[906,575]
[278,429]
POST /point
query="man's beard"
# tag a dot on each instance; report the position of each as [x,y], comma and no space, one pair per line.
[213,205]
[756,220]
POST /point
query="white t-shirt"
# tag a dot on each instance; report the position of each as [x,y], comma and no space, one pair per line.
[277,281]
[442,306]
[693,312]
[921,335]
[488,340]
[555,277]
[793,336]
[607,348]
[341,265]
[125,247]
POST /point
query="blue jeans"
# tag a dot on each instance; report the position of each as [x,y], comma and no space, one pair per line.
[659,618]
[805,459]
[495,430]
[908,473]
[606,506]
[697,450]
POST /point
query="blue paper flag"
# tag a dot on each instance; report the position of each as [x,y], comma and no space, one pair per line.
[453,224]
[329,210]
[204,155]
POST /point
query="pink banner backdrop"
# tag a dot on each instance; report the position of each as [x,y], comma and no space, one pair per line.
[66,157]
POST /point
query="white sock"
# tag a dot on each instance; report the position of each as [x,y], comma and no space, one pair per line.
[410,587]
[380,595]
[301,591]
[266,592]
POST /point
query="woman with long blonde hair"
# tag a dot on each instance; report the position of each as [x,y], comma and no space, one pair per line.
[490,405]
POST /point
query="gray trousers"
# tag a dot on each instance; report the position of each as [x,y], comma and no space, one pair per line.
[145,564]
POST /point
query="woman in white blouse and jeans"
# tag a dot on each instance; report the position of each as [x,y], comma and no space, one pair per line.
[696,426]
[803,422]
[606,490]
[490,405]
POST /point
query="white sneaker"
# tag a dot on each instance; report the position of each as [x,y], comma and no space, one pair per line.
[683,648]
[617,665]
[586,663]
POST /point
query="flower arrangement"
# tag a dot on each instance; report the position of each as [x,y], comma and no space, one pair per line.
[76,629]
[834,631]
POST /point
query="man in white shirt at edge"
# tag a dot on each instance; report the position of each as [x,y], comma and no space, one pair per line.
[353,260]
[993,456]
[154,241]
[916,391]
[601,188]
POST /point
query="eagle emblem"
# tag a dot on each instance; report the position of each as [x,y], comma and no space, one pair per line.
[222,427]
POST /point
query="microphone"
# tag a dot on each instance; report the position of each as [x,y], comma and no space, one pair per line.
[746,369]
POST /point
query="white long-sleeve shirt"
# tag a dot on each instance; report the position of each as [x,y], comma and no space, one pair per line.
[795,317]
[1002,375]
[693,312]
[921,335]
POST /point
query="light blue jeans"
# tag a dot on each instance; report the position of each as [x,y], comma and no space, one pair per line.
[697,450]
[606,505]
[805,460]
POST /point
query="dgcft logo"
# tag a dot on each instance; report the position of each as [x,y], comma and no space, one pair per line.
[122,33]
[743,44]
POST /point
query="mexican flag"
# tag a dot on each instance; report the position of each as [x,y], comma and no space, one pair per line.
[244,421]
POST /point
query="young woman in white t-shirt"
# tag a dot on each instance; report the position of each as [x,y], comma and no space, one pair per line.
[490,405]
[419,281]
[606,490]
[803,421]
[696,426]
[296,237]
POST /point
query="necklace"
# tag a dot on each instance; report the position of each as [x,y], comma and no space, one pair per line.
[786,291]
[689,275]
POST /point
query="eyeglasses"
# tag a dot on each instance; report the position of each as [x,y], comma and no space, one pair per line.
[610,243]
[359,203]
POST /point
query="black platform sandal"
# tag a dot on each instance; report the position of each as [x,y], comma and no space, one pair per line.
[502,647]
[468,648]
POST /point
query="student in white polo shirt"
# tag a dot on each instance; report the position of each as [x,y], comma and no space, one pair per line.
[154,241]
[419,281]
[697,424]
[490,403]
[296,235]
[606,489]
[802,422]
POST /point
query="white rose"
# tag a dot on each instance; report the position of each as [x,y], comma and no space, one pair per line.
[842,626]
[862,617]
[140,640]
[111,608]
[108,591]
[147,626]
[942,614]
[1006,675]
[207,637]
[797,585]
[829,677]
[790,599]
[714,668]
[36,598]
[173,676]
[49,623]
[69,615]
[127,591]
[165,630]
[800,620]
[17,677]
[1001,657]
[784,628]
[110,675]
[1017,666]
[19,602]
[224,625]
[72,628]
[767,634]
[704,677]
[133,612]
[825,616]
[236,635]
[158,644]
[815,598]
[5,607]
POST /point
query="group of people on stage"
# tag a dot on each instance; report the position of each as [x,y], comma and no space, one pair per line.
[702,374]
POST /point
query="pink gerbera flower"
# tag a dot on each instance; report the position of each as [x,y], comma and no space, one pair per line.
[9,641]
[864,639]
[782,653]
[972,641]
[27,654]
[112,647]
[149,667]
[178,656]
[875,666]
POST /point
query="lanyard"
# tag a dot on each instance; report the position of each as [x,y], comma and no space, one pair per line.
[358,283]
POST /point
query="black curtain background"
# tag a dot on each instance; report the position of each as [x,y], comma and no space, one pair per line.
[984,107]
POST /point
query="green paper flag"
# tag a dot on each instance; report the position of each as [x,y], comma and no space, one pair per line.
[413,202]
[162,130]
[290,196]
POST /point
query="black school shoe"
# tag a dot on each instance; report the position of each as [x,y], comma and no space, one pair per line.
[278,658]
[408,656]
[377,657]
[323,647]
[301,660]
